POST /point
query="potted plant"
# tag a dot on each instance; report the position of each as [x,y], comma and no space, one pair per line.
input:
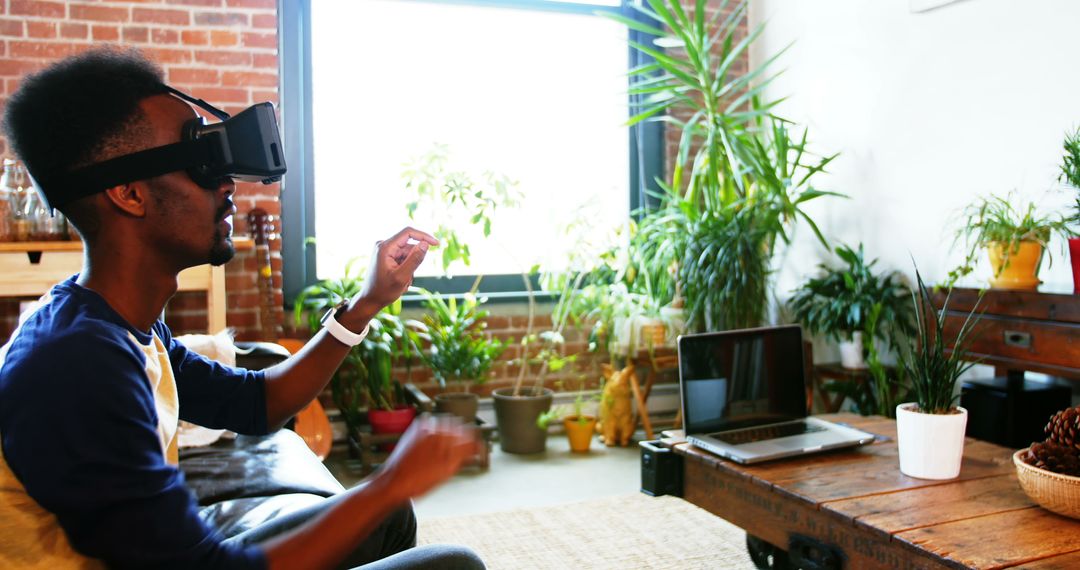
[740,179]
[1070,174]
[363,387]
[458,352]
[930,429]
[839,302]
[580,427]
[1015,240]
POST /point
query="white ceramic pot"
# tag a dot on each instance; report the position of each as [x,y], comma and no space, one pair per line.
[851,352]
[931,445]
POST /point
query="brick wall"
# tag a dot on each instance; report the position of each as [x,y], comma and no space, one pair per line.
[223,51]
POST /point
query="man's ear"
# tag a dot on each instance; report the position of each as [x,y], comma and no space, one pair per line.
[131,198]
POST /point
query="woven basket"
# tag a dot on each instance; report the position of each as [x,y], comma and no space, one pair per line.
[1052,491]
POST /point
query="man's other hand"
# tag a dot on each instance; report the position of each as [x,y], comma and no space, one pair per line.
[430,452]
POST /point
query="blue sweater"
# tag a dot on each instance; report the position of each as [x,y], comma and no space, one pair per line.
[92,449]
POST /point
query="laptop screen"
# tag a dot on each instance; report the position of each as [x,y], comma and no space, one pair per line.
[742,378]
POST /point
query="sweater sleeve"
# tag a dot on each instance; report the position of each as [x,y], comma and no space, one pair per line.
[214,395]
[83,442]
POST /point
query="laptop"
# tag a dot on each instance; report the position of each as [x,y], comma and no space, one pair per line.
[744,396]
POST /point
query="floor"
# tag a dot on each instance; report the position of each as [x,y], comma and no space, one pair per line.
[555,476]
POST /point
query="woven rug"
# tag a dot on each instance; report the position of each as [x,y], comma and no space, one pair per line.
[623,532]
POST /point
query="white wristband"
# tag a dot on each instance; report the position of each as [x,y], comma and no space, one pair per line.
[338,331]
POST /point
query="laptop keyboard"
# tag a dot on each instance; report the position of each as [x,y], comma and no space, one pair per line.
[749,435]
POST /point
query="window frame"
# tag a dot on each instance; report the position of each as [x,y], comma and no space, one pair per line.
[646,148]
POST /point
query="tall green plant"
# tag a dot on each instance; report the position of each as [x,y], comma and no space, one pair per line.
[930,364]
[740,179]
[1070,168]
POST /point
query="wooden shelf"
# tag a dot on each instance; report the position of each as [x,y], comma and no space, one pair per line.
[241,243]
[30,268]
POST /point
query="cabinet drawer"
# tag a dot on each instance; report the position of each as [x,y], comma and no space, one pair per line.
[1001,341]
[21,276]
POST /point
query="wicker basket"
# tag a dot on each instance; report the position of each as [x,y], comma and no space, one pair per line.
[1052,491]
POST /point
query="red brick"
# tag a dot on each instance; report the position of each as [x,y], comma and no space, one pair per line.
[195,37]
[222,57]
[265,60]
[217,95]
[42,50]
[105,33]
[168,56]
[74,31]
[161,16]
[268,40]
[41,29]
[194,76]
[11,28]
[248,79]
[99,13]
[136,34]
[264,21]
[267,4]
[195,2]
[221,38]
[268,96]
[37,8]
[164,36]
[221,19]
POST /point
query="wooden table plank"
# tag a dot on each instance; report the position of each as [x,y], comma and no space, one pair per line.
[1064,562]
[999,541]
[927,506]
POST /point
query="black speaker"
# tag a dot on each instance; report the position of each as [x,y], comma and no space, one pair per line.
[661,470]
[1011,412]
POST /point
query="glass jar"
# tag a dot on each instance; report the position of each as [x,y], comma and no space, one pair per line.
[13,180]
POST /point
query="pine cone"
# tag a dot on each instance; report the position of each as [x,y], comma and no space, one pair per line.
[1055,457]
[1064,428]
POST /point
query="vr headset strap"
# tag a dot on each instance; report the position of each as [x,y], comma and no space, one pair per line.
[128,168]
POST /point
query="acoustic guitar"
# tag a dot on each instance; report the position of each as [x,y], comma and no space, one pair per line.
[311,422]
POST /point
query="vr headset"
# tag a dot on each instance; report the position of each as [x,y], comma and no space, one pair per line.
[246,147]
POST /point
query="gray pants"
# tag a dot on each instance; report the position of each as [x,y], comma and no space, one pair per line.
[391,546]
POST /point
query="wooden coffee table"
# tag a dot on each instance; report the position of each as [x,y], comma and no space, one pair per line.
[857,508]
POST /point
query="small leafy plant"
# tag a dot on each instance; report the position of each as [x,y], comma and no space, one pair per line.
[994,220]
[841,300]
[458,351]
[931,366]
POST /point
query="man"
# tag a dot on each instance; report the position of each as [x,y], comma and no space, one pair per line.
[92,383]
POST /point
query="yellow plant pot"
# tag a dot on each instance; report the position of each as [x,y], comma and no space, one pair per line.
[579,433]
[1017,268]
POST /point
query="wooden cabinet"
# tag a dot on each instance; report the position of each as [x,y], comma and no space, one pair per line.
[29,269]
[1020,330]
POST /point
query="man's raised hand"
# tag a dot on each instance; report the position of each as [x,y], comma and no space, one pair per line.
[393,265]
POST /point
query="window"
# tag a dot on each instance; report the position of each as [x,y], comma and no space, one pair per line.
[533,90]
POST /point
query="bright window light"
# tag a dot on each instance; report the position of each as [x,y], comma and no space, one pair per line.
[538,96]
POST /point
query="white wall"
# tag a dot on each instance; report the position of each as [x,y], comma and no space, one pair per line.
[928,110]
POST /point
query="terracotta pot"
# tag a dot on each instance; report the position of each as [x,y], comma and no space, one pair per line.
[931,446]
[460,404]
[394,421]
[516,418]
[1074,253]
[1021,266]
[580,433]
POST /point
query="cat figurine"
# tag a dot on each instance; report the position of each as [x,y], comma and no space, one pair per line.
[616,412]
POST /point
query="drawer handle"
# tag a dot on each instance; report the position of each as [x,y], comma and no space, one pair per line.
[1017,339]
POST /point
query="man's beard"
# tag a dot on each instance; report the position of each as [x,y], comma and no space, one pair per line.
[222,249]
